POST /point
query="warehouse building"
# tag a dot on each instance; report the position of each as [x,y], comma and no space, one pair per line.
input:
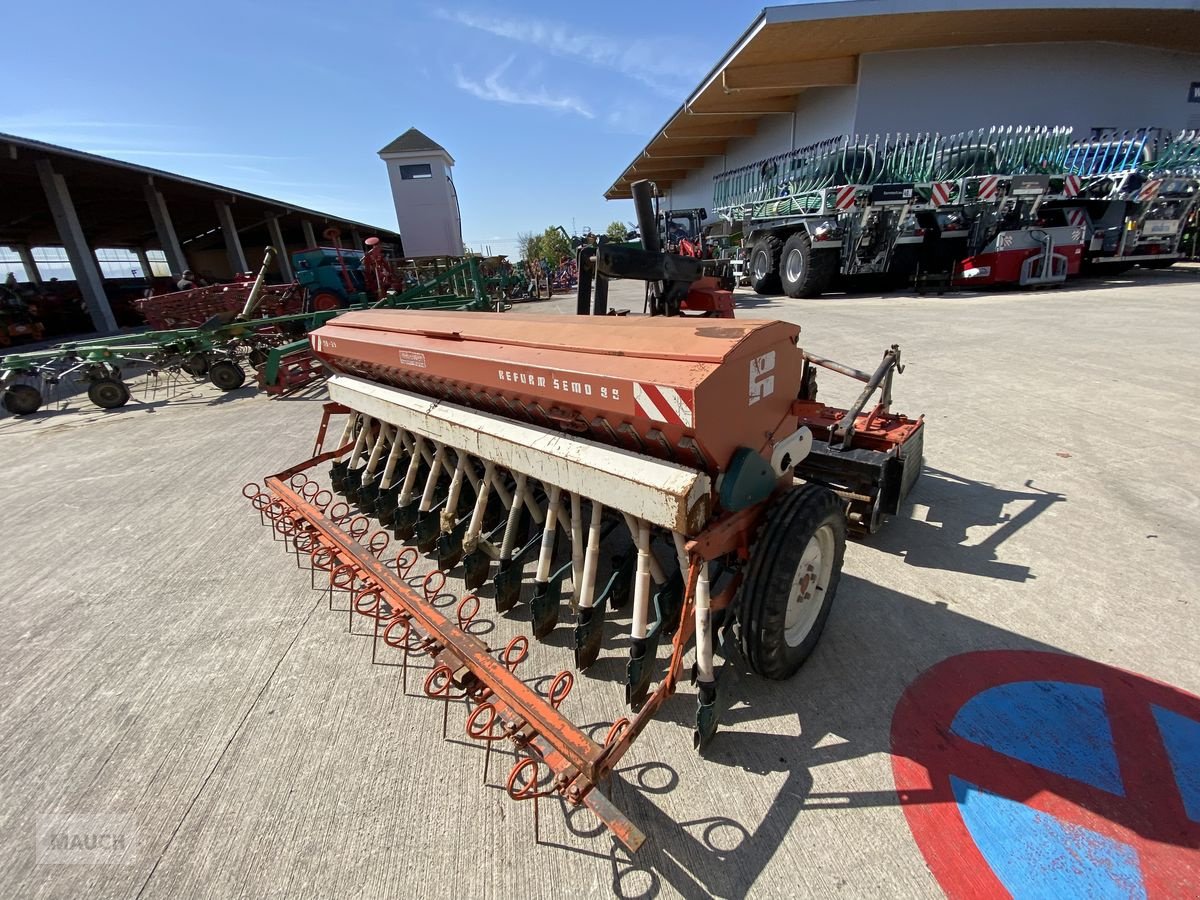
[107,229]
[803,73]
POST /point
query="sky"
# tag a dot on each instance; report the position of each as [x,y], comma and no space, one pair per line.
[541,105]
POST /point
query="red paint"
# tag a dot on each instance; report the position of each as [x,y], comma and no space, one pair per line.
[1150,818]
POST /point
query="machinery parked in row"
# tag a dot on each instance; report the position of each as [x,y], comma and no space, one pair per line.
[1004,205]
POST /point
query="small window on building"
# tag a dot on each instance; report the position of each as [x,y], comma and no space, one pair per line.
[421,170]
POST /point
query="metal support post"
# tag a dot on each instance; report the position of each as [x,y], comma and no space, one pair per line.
[233,243]
[165,230]
[30,264]
[281,255]
[80,255]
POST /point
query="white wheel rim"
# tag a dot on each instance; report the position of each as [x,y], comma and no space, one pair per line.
[795,266]
[760,264]
[809,584]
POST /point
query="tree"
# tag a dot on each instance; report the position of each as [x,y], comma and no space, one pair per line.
[554,245]
[530,245]
[617,231]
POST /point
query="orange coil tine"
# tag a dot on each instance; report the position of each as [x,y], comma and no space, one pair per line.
[468,608]
[618,728]
[250,490]
[376,546]
[515,652]
[405,560]
[343,515]
[432,592]
[528,789]
[560,687]
[298,481]
[261,500]
[275,509]
[442,672]
[322,504]
[484,731]
[343,577]
[310,490]
[371,609]
[359,526]
[397,643]
[328,555]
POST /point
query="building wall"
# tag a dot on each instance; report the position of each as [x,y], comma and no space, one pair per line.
[426,208]
[1085,86]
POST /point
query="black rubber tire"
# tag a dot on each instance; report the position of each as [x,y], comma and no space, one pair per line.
[22,399]
[816,269]
[257,357]
[108,393]
[226,375]
[764,260]
[791,523]
[195,365]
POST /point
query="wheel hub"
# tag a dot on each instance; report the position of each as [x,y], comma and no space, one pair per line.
[809,584]
[795,266]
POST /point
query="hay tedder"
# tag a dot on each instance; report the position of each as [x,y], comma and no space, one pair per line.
[674,472]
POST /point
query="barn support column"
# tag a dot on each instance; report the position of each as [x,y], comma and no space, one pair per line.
[163,226]
[144,262]
[80,255]
[310,236]
[233,242]
[30,264]
[281,250]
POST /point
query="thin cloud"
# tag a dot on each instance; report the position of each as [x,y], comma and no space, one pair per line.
[491,88]
[642,59]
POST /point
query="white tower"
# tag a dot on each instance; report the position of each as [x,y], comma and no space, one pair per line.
[423,191]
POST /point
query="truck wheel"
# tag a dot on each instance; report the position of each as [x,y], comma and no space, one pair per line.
[22,399]
[791,580]
[108,393]
[764,265]
[227,375]
[805,272]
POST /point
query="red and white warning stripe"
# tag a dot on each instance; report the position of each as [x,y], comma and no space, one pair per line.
[939,195]
[1071,185]
[989,187]
[664,404]
[1150,190]
[1076,217]
[845,197]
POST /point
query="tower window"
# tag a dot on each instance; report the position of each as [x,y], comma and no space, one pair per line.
[421,170]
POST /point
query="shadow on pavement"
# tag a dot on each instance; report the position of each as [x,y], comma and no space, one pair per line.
[955,505]
[841,702]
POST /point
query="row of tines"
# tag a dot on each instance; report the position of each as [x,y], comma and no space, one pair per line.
[492,523]
[534,774]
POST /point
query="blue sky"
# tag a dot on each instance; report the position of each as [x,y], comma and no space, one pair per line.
[541,105]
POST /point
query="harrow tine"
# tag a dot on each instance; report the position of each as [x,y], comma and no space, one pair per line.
[468,539]
[352,477]
[589,628]
[543,606]
[368,494]
[643,646]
